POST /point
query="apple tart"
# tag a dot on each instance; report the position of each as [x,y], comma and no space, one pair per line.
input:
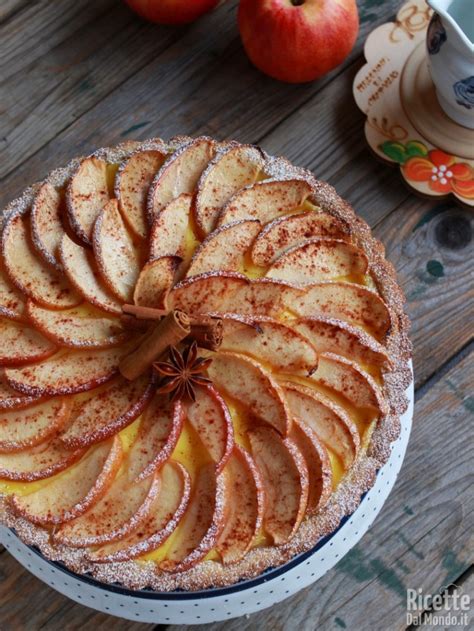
[203,363]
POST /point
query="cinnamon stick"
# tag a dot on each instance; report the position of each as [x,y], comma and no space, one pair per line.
[144,313]
[173,328]
[207,332]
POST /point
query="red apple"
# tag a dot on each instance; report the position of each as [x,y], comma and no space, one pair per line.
[171,11]
[298,40]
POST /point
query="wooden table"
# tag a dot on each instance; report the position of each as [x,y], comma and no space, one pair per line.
[77,75]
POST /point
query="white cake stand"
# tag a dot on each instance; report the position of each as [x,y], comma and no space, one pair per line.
[246,597]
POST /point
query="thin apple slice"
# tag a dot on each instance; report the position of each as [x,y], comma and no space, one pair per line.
[265,201]
[67,372]
[202,522]
[165,514]
[12,301]
[347,301]
[224,249]
[22,344]
[117,514]
[273,342]
[11,399]
[179,174]
[155,280]
[329,421]
[132,182]
[29,426]
[319,259]
[319,466]
[169,229]
[212,421]
[279,460]
[76,490]
[39,462]
[98,415]
[46,225]
[80,327]
[116,256]
[247,381]
[226,174]
[292,230]
[87,193]
[244,506]
[159,432]
[80,268]
[337,336]
[33,277]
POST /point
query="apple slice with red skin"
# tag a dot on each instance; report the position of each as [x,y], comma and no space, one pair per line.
[330,422]
[226,174]
[210,417]
[81,270]
[28,273]
[172,12]
[179,174]
[86,194]
[319,259]
[12,301]
[46,224]
[245,380]
[10,399]
[165,514]
[168,231]
[117,257]
[224,249]
[80,327]
[155,280]
[285,482]
[202,522]
[76,490]
[22,344]
[291,230]
[101,414]
[67,372]
[244,506]
[133,179]
[265,201]
[34,424]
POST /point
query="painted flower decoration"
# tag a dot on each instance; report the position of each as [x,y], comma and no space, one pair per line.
[442,173]
[464,91]
[436,35]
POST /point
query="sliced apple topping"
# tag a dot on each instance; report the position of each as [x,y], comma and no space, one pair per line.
[226,174]
[12,301]
[38,462]
[33,277]
[265,201]
[87,193]
[244,505]
[332,335]
[329,421]
[179,174]
[319,259]
[132,182]
[118,513]
[247,381]
[22,344]
[116,256]
[29,426]
[169,229]
[155,280]
[46,225]
[348,301]
[10,399]
[212,421]
[270,341]
[80,327]
[101,414]
[67,372]
[293,230]
[202,522]
[76,490]
[224,249]
[164,516]
[81,270]
[285,482]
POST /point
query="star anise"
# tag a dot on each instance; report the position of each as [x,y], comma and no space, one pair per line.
[182,372]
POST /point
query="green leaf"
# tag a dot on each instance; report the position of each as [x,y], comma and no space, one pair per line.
[395,151]
[416,148]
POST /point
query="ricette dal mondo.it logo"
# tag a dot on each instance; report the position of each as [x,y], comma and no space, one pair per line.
[449,608]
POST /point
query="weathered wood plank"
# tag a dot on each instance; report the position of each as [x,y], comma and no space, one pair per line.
[9,8]
[422,539]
